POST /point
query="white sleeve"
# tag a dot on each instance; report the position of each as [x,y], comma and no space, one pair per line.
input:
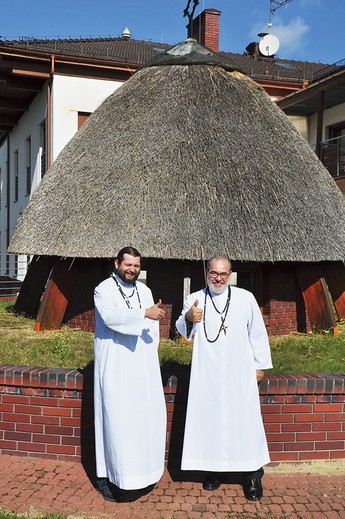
[129,321]
[258,337]
[186,329]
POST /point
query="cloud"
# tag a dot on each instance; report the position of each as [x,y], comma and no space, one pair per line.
[292,35]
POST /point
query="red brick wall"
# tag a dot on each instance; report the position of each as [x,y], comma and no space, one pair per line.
[49,413]
[284,308]
[86,321]
[304,416]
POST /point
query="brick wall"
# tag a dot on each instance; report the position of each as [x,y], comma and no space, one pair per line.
[205,29]
[284,308]
[86,321]
[304,416]
[49,413]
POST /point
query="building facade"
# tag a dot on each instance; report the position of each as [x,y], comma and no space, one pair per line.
[320,110]
[50,88]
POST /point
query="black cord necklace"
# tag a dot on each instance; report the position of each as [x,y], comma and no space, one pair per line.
[223,314]
[125,297]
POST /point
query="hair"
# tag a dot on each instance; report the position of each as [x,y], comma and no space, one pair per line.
[127,250]
[218,257]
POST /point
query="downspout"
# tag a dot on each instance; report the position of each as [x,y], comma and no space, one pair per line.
[8,202]
[319,123]
[49,110]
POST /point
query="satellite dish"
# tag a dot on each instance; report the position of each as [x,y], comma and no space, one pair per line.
[269,45]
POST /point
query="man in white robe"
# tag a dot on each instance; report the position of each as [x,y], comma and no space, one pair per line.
[224,430]
[130,411]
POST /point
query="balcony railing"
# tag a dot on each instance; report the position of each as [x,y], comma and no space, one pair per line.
[333,155]
[13,269]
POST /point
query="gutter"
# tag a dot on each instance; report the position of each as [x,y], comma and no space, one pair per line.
[8,201]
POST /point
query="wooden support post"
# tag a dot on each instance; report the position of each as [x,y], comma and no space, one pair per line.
[335,279]
[32,288]
[56,296]
[316,296]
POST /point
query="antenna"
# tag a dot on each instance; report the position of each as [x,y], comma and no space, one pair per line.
[269,44]
[190,15]
[274,5]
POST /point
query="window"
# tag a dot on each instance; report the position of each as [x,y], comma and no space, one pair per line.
[28,165]
[333,150]
[16,176]
[82,116]
[337,130]
[43,148]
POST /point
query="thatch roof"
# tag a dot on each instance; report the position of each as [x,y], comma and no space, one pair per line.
[185,161]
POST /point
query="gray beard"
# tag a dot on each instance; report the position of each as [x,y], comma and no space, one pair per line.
[214,292]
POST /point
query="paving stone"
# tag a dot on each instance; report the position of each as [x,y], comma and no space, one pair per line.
[35,486]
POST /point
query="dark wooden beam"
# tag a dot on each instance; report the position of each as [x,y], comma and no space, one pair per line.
[325,84]
[56,296]
[316,296]
[12,103]
[29,297]
[335,279]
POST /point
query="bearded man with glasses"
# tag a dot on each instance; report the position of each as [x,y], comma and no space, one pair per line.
[224,431]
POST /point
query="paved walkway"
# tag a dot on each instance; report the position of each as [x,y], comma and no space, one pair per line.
[35,486]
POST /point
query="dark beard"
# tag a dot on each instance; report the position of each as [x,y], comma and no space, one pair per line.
[121,275]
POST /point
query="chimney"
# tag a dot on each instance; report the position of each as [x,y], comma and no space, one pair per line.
[126,34]
[253,50]
[205,29]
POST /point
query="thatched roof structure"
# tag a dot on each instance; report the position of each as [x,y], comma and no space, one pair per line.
[186,159]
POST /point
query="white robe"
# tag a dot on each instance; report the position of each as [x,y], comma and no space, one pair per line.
[130,412]
[224,430]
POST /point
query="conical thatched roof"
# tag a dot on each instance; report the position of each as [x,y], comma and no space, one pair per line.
[187,159]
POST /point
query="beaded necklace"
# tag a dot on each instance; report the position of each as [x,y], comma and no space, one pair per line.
[223,314]
[125,297]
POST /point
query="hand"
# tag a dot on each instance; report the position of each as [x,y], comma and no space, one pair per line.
[156,311]
[260,374]
[194,314]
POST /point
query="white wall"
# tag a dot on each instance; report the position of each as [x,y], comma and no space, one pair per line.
[300,122]
[28,126]
[69,95]
[331,116]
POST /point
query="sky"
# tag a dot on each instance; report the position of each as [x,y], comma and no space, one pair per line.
[308,30]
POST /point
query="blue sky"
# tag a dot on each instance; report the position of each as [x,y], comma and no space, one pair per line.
[308,30]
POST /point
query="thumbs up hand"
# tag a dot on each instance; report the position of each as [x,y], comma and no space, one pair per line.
[194,314]
[156,311]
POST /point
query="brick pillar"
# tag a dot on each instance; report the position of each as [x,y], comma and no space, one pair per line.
[205,29]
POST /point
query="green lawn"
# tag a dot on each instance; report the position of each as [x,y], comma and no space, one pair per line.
[68,348]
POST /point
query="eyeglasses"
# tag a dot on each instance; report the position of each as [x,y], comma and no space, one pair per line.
[214,274]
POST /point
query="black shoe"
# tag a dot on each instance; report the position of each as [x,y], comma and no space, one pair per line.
[212,482]
[128,496]
[252,488]
[103,488]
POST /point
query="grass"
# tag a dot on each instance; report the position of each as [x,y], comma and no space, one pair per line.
[66,348]
[20,345]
